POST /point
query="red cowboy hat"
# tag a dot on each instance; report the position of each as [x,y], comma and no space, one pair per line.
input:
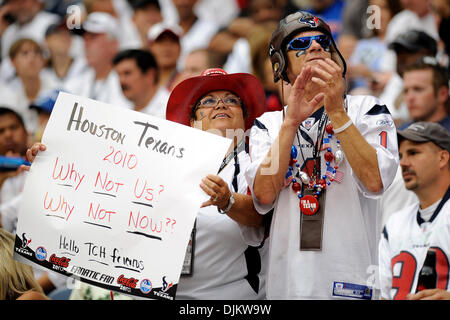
[186,94]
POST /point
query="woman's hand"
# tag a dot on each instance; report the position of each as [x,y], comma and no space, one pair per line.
[215,187]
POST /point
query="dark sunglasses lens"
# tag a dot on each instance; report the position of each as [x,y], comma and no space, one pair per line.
[324,41]
[300,43]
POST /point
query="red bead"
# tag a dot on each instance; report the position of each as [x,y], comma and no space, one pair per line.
[329,129]
[336,167]
[329,156]
[296,187]
[322,183]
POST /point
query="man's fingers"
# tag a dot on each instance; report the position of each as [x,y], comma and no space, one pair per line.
[317,98]
[23,168]
[330,66]
[324,75]
[303,78]
[334,65]
[324,67]
[428,294]
[319,82]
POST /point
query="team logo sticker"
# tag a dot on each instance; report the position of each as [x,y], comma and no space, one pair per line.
[312,22]
[166,285]
[146,286]
[41,253]
[25,241]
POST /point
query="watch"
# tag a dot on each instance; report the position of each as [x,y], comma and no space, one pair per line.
[230,204]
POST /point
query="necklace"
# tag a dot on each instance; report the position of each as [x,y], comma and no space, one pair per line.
[309,187]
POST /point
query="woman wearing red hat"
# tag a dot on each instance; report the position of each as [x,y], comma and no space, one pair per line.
[224,261]
[224,257]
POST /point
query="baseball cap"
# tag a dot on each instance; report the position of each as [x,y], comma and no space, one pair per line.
[143,4]
[426,132]
[185,95]
[46,101]
[100,22]
[55,27]
[413,41]
[159,28]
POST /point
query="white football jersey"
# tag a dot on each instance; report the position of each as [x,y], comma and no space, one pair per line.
[226,265]
[350,231]
[403,248]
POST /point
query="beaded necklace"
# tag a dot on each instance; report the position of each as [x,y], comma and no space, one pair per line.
[309,188]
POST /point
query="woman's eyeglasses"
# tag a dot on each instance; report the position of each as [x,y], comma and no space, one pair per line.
[211,102]
[303,43]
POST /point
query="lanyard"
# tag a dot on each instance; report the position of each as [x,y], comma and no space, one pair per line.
[240,147]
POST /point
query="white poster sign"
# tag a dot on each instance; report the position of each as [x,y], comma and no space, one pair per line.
[113,199]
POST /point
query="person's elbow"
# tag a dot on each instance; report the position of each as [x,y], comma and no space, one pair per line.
[254,220]
[264,197]
[375,185]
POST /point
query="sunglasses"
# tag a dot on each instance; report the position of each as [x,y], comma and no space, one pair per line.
[304,43]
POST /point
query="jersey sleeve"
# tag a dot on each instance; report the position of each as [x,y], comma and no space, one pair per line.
[384,262]
[252,236]
[375,123]
[261,140]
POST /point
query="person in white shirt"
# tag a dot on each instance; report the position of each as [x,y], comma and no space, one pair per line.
[416,14]
[321,164]
[426,94]
[13,145]
[414,251]
[146,13]
[197,31]
[164,44]
[29,20]
[408,47]
[62,64]
[100,82]
[225,258]
[27,58]
[138,75]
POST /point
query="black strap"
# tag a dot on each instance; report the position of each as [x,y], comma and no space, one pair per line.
[385,234]
[253,261]
[237,170]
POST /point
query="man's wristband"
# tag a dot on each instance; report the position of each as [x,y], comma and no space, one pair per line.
[342,128]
